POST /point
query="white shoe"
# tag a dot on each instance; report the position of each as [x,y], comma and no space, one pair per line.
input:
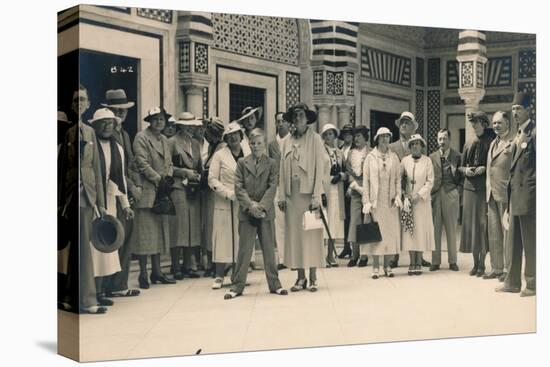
[218,283]
[375,274]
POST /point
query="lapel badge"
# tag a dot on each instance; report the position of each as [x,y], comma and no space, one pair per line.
[523,145]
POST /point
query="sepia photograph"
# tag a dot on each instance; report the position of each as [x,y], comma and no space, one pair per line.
[232,183]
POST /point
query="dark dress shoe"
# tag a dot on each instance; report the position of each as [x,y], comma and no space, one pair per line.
[480,273]
[528,293]
[191,274]
[434,268]
[473,271]
[362,263]
[492,275]
[453,267]
[426,264]
[281,267]
[352,263]
[346,252]
[502,277]
[178,275]
[143,282]
[161,278]
[506,289]
[104,301]
[207,273]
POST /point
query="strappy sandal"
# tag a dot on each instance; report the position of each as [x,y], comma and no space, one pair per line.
[299,285]
[312,286]
[231,295]
[388,272]
[280,292]
[126,293]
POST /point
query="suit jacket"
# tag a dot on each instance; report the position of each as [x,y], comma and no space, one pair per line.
[92,191]
[256,183]
[186,155]
[133,178]
[221,178]
[455,159]
[522,186]
[153,160]
[498,171]
[398,149]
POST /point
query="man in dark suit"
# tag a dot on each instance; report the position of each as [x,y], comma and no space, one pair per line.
[117,101]
[407,125]
[346,135]
[274,152]
[499,161]
[256,180]
[521,213]
[445,198]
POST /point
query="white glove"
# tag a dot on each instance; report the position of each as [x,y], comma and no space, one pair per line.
[367,208]
[397,202]
[407,205]
[506,220]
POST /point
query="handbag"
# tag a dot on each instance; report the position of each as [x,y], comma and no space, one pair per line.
[368,232]
[311,220]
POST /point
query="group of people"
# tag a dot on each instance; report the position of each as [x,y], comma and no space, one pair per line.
[209,193]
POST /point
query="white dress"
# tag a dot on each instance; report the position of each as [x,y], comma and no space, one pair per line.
[333,210]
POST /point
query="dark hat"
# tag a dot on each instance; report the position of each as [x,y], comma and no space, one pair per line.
[311,115]
[107,234]
[478,116]
[214,125]
[361,129]
[346,129]
[155,111]
[116,98]
[522,99]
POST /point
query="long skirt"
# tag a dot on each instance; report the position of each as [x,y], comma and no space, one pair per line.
[355,211]
[335,221]
[474,221]
[225,235]
[303,249]
[151,233]
[186,225]
[423,238]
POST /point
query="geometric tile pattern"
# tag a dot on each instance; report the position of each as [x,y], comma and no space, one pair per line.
[270,38]
[434,72]
[338,83]
[433,119]
[185,57]
[530,87]
[350,83]
[201,58]
[385,66]
[205,102]
[292,89]
[467,77]
[419,72]
[161,15]
[498,72]
[479,75]
[419,103]
[318,82]
[527,64]
[330,82]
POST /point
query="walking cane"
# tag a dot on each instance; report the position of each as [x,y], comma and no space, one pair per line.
[232,241]
[328,231]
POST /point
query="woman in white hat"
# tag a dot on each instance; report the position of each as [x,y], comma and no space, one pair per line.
[354,169]
[250,119]
[302,170]
[151,234]
[221,179]
[185,234]
[333,198]
[382,200]
[418,235]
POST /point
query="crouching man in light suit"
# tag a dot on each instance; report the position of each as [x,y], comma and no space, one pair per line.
[256,180]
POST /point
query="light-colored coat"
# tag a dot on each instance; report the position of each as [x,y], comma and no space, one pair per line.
[499,161]
[370,184]
[153,160]
[221,178]
[326,180]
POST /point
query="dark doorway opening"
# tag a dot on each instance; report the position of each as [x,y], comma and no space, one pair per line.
[380,119]
[241,96]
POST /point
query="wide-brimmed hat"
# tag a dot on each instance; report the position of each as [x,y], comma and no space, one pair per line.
[102,114]
[188,119]
[310,114]
[405,117]
[382,131]
[249,111]
[416,137]
[362,129]
[62,117]
[155,111]
[346,129]
[116,98]
[107,234]
[171,120]
[232,127]
[522,99]
[214,125]
[478,116]
[327,127]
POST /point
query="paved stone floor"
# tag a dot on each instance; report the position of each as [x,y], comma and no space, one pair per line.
[349,308]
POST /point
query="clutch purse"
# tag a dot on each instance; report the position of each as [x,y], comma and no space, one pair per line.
[368,232]
[312,220]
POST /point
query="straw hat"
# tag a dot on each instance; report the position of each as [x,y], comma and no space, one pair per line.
[116,98]
[156,111]
[249,111]
[405,117]
[382,131]
[188,119]
[232,127]
[62,117]
[102,114]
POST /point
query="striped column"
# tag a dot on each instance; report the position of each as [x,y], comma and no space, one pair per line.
[334,44]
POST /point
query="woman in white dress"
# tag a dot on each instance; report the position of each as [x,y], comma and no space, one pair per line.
[418,235]
[333,183]
[221,179]
[382,200]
